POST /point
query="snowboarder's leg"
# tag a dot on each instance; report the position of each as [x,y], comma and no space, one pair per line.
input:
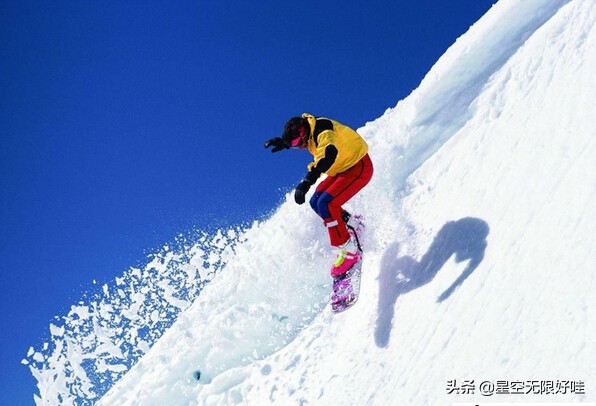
[336,193]
[315,202]
[328,210]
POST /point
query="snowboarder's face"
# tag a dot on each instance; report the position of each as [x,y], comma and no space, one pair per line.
[301,139]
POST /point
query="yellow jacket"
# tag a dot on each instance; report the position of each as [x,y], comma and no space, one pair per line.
[325,132]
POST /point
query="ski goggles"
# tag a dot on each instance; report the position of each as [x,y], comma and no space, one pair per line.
[299,141]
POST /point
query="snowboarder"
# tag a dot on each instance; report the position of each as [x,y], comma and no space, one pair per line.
[342,154]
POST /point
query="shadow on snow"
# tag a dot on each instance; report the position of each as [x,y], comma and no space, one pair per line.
[466,238]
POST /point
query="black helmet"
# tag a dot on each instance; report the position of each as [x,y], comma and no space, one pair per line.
[296,132]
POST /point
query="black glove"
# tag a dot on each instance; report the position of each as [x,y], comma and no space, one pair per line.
[277,143]
[300,192]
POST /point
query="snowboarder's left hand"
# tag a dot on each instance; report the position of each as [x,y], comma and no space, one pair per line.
[277,143]
[301,189]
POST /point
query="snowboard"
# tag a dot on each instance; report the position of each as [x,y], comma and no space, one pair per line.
[346,287]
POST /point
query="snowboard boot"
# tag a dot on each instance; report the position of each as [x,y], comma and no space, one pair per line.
[355,226]
[348,255]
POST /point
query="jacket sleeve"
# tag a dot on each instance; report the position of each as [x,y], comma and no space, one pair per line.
[325,156]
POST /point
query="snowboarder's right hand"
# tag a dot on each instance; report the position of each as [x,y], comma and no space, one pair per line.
[300,192]
[277,143]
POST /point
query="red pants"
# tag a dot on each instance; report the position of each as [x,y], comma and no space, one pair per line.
[336,190]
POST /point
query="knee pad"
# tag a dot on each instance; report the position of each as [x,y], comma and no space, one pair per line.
[314,202]
[323,205]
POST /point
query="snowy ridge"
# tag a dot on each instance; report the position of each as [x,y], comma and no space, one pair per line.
[106,333]
[479,252]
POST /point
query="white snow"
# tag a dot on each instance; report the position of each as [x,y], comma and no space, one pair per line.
[479,257]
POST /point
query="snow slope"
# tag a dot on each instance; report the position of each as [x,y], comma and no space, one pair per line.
[480,251]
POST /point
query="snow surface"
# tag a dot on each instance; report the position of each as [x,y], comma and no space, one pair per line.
[479,256]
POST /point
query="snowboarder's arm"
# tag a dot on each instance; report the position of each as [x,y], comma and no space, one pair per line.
[325,155]
[323,164]
[315,170]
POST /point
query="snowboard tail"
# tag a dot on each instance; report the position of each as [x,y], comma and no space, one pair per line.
[346,289]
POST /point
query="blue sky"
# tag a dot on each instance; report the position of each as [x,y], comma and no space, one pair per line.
[125,124]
